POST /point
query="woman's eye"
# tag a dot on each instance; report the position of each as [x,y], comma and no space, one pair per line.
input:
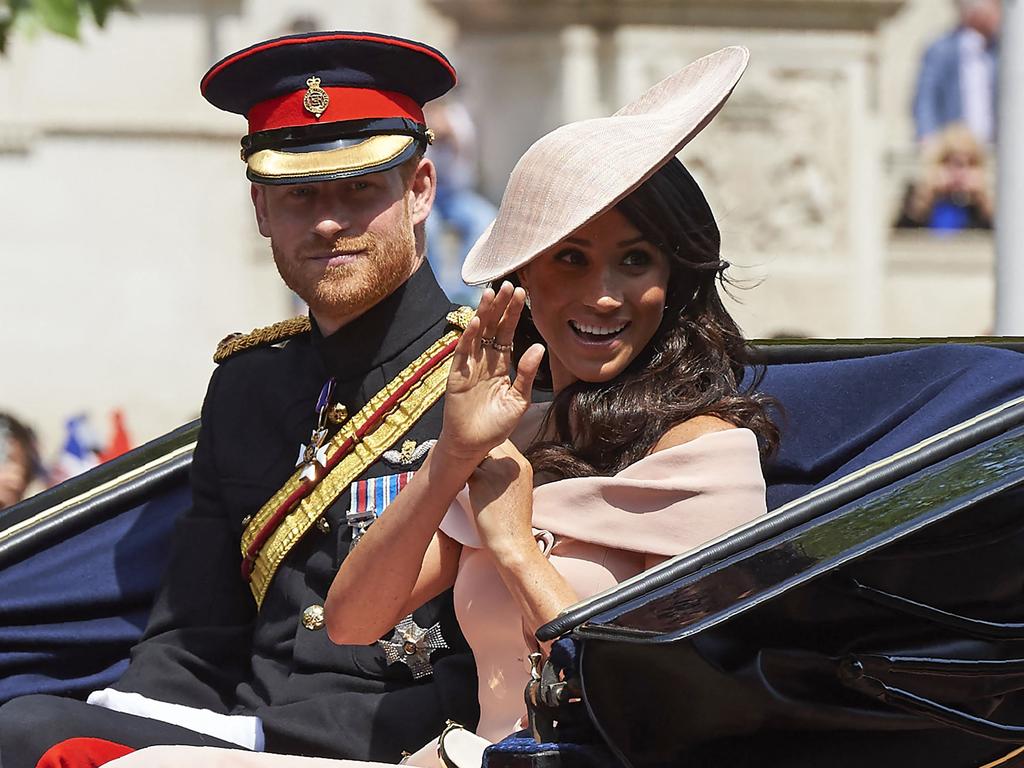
[571,256]
[636,258]
[359,186]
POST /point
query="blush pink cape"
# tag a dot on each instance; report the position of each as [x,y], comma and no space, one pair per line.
[664,504]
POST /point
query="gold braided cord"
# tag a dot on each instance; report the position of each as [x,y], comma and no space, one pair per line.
[259,337]
[396,423]
[460,317]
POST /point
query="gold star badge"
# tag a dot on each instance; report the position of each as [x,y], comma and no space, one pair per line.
[412,645]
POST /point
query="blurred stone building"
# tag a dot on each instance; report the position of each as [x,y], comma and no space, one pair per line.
[128,249]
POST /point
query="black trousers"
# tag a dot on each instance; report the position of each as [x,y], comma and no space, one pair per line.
[30,725]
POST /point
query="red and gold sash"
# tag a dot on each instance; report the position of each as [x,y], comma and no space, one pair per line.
[389,414]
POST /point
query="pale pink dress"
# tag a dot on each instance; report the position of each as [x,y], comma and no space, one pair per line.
[603,528]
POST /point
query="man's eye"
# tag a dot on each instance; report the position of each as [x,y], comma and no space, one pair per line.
[359,186]
[300,192]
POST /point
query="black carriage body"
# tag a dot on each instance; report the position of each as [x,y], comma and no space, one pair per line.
[887,575]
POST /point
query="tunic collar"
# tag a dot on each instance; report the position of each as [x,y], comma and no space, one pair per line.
[385,330]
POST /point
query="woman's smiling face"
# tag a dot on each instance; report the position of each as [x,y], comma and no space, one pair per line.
[597,299]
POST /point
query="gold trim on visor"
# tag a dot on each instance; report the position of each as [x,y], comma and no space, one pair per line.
[374,151]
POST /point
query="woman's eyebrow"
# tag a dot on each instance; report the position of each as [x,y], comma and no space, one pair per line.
[576,241]
[632,241]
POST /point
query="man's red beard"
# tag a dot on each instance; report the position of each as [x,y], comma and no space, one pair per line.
[344,291]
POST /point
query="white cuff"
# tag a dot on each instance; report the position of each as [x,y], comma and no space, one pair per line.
[243,730]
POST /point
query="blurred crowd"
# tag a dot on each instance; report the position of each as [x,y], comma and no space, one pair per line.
[23,470]
[955,116]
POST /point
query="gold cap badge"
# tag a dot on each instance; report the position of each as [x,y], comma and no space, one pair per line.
[316,99]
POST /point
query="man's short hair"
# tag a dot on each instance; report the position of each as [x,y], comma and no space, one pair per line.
[408,168]
[965,5]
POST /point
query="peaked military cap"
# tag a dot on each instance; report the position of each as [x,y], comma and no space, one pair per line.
[329,105]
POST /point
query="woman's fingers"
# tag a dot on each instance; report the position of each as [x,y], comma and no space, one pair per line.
[526,371]
[466,347]
[490,314]
[506,328]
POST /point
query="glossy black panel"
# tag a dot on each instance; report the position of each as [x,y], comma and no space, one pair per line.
[773,567]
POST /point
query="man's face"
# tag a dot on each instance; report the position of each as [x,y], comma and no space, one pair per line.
[344,245]
[984,16]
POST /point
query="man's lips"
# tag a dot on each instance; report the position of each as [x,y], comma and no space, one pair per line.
[336,258]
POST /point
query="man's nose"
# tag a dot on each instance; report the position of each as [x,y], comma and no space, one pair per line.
[331,221]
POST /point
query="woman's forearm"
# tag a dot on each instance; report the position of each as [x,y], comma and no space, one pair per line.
[539,590]
[372,590]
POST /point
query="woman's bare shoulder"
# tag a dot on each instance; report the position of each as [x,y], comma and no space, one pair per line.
[691,429]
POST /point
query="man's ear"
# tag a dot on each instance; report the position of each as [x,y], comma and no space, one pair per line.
[422,188]
[259,204]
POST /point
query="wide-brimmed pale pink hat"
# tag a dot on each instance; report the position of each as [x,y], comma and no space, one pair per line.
[577,172]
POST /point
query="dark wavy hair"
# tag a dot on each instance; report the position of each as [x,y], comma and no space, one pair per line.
[694,365]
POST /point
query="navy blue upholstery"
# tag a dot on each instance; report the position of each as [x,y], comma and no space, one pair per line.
[69,613]
[841,416]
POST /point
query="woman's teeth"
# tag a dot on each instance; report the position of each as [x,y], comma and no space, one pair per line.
[596,330]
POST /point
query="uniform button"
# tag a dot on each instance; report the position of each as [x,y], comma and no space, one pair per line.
[337,414]
[323,525]
[313,617]
[246,520]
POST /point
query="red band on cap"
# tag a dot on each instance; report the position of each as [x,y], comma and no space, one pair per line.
[345,104]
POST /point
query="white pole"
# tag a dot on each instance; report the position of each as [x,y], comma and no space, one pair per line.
[1010,158]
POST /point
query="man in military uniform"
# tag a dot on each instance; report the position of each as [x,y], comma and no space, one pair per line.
[235,652]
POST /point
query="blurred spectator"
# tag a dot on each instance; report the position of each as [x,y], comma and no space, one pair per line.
[458,207]
[19,460]
[953,190]
[957,81]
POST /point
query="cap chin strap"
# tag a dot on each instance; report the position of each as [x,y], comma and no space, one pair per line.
[297,137]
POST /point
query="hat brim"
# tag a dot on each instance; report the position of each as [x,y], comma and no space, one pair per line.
[579,171]
[373,154]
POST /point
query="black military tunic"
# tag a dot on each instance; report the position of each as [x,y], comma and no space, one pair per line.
[207,645]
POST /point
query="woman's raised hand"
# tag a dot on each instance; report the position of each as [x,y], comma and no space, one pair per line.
[482,404]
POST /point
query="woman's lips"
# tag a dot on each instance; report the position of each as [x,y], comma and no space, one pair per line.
[596,335]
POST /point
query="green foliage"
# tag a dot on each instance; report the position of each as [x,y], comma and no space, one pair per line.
[63,17]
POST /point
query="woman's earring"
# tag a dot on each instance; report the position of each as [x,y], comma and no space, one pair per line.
[527,300]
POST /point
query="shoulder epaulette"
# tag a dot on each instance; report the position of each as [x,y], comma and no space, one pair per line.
[261,337]
[460,317]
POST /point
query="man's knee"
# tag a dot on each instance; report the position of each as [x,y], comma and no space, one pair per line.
[27,723]
[26,714]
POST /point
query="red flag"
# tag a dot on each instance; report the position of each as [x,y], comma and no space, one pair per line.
[120,442]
